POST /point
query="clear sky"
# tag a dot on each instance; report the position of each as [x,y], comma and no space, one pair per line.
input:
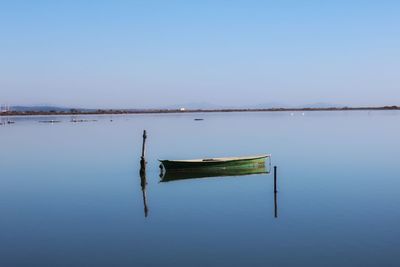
[158,53]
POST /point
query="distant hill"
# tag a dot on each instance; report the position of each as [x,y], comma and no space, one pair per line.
[267,105]
[53,110]
[205,105]
[194,105]
[321,105]
[44,109]
[188,106]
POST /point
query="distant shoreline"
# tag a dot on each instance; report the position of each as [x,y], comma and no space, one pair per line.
[173,111]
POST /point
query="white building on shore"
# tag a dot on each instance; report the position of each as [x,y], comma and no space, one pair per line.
[4,108]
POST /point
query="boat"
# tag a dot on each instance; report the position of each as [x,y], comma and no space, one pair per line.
[211,167]
[214,162]
[50,121]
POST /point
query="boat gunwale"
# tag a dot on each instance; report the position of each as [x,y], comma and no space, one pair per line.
[220,160]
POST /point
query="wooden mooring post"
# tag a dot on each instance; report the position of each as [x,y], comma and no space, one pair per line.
[144,143]
[275,170]
[275,194]
[143,159]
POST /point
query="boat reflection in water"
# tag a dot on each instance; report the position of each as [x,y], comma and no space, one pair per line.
[172,170]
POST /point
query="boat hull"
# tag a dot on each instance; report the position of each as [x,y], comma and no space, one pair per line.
[213,163]
[183,169]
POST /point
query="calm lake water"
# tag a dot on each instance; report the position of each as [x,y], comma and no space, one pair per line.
[70,193]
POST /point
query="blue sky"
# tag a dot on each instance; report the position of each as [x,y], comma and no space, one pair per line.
[129,54]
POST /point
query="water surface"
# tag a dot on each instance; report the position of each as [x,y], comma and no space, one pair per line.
[70,193]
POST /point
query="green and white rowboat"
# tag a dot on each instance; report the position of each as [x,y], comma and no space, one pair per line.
[214,162]
[209,167]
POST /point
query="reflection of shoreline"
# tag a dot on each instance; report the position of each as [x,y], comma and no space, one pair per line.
[160,111]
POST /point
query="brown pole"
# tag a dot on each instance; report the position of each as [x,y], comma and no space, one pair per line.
[275,179]
[144,143]
[143,160]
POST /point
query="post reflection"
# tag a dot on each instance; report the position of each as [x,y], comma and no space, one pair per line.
[143,183]
[275,205]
